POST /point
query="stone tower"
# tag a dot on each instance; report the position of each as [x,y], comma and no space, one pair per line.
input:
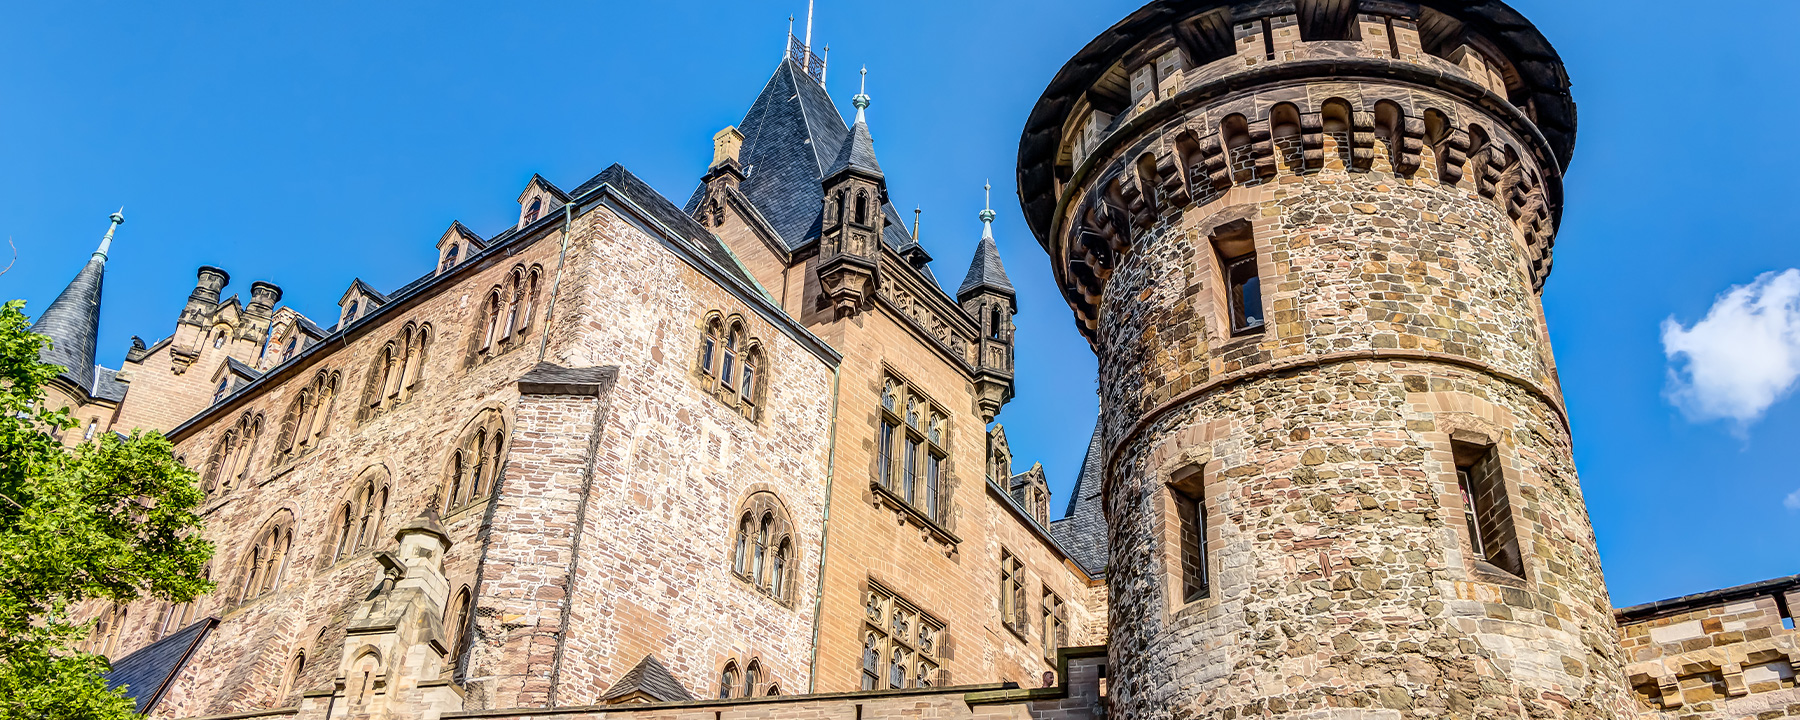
[855,191]
[988,297]
[1306,239]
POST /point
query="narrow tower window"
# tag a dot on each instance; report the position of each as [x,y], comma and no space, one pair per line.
[1242,297]
[1487,510]
[1187,493]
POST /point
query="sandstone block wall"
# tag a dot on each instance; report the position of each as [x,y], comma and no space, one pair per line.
[1730,658]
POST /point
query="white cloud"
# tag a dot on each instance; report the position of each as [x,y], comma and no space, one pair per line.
[1742,357]
[1793,500]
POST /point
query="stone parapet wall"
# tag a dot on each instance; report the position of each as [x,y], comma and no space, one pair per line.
[1729,657]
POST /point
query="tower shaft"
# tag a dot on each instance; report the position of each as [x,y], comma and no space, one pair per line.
[1306,241]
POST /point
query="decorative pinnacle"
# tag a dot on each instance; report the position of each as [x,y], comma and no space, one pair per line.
[117,218]
[987,210]
[861,101]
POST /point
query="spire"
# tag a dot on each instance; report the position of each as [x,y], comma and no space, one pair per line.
[858,150]
[987,212]
[985,271]
[73,320]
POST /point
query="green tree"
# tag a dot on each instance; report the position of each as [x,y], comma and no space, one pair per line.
[110,520]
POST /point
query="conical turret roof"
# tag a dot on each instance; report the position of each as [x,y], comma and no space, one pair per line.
[985,272]
[73,320]
[857,152]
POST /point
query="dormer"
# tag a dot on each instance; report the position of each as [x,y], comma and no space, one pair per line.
[231,376]
[358,301]
[289,334]
[457,244]
[539,199]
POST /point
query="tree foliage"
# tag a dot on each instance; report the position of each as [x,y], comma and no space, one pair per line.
[112,520]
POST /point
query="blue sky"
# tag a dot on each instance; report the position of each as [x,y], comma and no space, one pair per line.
[307,144]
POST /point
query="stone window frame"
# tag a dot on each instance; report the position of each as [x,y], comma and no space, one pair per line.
[290,674]
[906,416]
[265,563]
[307,417]
[506,313]
[731,364]
[475,463]
[229,465]
[1193,481]
[394,375]
[1472,447]
[1233,243]
[1011,595]
[176,616]
[728,679]
[103,638]
[357,520]
[1055,625]
[892,624]
[763,508]
[458,616]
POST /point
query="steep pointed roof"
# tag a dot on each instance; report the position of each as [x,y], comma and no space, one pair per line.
[73,319]
[1082,530]
[145,674]
[650,678]
[856,153]
[985,272]
[790,136]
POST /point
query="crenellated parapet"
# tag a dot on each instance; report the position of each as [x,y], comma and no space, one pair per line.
[1180,103]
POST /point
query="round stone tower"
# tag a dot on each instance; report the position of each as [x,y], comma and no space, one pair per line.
[1307,239]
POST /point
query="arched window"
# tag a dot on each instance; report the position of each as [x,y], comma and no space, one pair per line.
[529,301]
[752,677]
[346,522]
[862,208]
[531,214]
[219,338]
[728,680]
[839,215]
[740,562]
[515,295]
[1284,132]
[1334,116]
[897,668]
[774,689]
[871,664]
[266,560]
[475,460]
[491,320]
[293,342]
[450,256]
[763,551]
[350,314]
[762,548]
[290,680]
[727,369]
[747,384]
[778,574]
[709,346]
[1234,131]
[996,326]
[456,624]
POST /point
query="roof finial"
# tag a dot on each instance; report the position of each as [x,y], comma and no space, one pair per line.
[861,101]
[916,211]
[824,64]
[118,218]
[787,41]
[987,211]
[809,8]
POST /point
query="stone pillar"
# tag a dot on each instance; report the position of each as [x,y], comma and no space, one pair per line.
[1312,283]
[522,583]
[394,651]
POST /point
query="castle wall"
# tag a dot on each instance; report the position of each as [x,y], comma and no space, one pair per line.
[1733,658]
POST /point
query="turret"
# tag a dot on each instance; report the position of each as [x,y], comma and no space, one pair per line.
[1307,240]
[988,297]
[72,321]
[850,242]
[722,176]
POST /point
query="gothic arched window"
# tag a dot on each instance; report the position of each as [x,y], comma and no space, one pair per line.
[862,209]
[740,557]
[728,679]
[752,677]
[474,465]
[762,552]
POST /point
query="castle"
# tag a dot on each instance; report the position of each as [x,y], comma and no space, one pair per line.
[737,458]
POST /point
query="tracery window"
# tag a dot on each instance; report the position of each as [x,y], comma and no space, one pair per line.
[305,422]
[901,644]
[763,546]
[357,523]
[729,364]
[728,680]
[752,678]
[911,460]
[261,568]
[397,370]
[506,313]
[229,465]
[475,461]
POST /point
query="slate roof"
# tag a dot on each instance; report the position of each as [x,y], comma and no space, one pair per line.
[107,385]
[790,134]
[674,218]
[985,272]
[146,673]
[856,153]
[73,323]
[1082,531]
[651,678]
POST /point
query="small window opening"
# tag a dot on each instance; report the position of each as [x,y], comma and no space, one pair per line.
[1387,130]
[1235,131]
[531,215]
[1284,131]
[1268,33]
[995,328]
[862,209]
[1487,510]
[1188,493]
[1236,252]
